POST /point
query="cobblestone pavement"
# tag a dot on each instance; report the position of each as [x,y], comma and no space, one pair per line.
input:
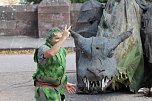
[18,86]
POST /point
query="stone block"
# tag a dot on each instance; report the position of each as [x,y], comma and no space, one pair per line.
[75,6]
[11,24]
[28,32]
[32,8]
[25,24]
[19,32]
[73,18]
[7,8]
[9,32]
[7,15]
[42,33]
[54,2]
[45,25]
[26,16]
[20,8]
[53,17]
[22,24]
[52,14]
[55,13]
[3,25]
[54,9]
[43,17]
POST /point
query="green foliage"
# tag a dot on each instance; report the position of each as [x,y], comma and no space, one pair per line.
[34,1]
[72,1]
[103,1]
[121,79]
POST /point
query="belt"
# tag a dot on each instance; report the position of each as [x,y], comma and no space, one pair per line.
[40,84]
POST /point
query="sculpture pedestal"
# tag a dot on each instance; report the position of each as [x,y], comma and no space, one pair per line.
[53,13]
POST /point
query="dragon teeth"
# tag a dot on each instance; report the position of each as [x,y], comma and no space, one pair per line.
[103,84]
[93,85]
[100,83]
[107,81]
[96,84]
[104,79]
[88,85]
[86,81]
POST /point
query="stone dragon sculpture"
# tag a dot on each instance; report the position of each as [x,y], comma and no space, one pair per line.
[113,55]
[97,63]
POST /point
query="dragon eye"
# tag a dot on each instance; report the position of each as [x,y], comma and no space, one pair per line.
[82,51]
[91,22]
[97,48]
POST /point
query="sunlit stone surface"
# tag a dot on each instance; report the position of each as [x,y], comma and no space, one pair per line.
[9,2]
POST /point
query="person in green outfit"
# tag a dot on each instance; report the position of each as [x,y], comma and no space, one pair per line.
[50,79]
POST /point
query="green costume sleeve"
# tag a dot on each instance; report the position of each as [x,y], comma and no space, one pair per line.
[66,79]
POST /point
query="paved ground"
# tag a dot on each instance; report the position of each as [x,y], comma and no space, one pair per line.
[20,63]
[23,42]
[16,81]
[16,74]
[18,86]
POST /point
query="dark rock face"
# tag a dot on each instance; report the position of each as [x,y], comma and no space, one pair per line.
[146,36]
[147,43]
[89,18]
[146,32]
[87,24]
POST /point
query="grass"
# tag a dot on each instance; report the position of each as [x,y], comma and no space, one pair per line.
[27,51]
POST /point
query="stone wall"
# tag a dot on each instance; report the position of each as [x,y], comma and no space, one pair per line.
[22,20]
[52,14]
[74,14]
[19,20]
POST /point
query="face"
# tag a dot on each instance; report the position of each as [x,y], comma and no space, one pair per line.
[96,65]
[95,58]
[56,37]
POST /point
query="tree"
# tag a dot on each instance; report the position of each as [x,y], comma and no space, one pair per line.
[72,1]
[34,1]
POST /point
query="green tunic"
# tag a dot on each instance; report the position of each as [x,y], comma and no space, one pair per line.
[52,71]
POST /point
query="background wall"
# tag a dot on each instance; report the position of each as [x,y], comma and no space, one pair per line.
[19,20]
[22,20]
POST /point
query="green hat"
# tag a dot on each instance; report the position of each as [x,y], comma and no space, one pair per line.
[52,31]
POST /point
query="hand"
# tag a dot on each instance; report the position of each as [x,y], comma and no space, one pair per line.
[70,88]
[66,32]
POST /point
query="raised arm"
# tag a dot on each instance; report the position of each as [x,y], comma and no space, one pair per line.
[55,48]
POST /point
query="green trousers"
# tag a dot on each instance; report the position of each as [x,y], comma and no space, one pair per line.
[48,94]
